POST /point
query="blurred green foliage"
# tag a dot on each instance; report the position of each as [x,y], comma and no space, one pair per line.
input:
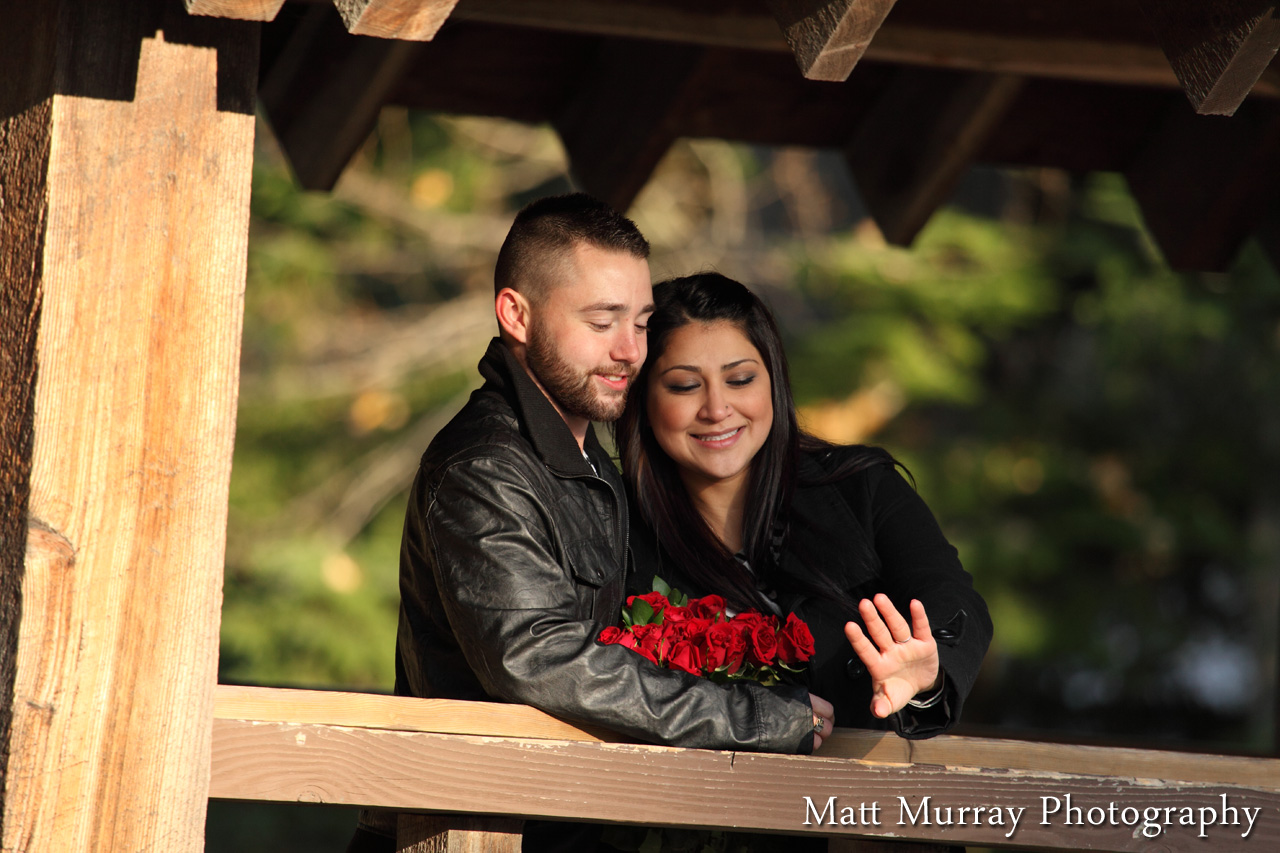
[1098,435]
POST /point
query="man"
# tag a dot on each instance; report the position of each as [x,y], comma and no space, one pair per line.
[515,551]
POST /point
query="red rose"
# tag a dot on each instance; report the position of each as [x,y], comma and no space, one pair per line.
[723,647]
[685,656]
[708,607]
[795,643]
[762,644]
[689,629]
[750,619]
[656,600]
[611,635]
[649,641]
[676,614]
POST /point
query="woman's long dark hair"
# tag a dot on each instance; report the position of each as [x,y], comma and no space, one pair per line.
[653,478]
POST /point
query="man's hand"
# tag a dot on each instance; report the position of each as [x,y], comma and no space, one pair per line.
[822,713]
[902,660]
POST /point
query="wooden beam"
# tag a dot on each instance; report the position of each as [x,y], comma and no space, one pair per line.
[918,141]
[324,90]
[523,74]
[483,69]
[636,784]
[411,20]
[1024,39]
[828,37]
[403,713]
[626,114]
[1218,50]
[494,719]
[1079,127]
[1204,184]
[131,220]
[244,10]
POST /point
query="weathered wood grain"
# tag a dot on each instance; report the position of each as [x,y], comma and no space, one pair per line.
[411,20]
[919,139]
[323,92]
[494,719]
[828,37]
[403,713]
[637,784]
[1218,50]
[142,277]
[46,669]
[26,57]
[245,10]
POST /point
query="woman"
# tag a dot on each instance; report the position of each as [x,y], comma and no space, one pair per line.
[733,499]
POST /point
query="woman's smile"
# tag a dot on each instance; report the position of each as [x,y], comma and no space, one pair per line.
[710,402]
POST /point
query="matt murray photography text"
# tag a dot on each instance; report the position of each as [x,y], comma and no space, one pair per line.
[1150,820]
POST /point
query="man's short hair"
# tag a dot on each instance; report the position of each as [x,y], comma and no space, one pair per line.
[546,230]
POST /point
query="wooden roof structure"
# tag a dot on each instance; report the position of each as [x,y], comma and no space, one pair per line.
[126,152]
[913,93]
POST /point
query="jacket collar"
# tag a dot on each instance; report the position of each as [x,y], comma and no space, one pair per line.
[539,421]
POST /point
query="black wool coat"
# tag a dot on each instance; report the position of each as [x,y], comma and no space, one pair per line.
[869,532]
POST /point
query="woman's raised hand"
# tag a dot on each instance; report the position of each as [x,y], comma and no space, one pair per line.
[902,660]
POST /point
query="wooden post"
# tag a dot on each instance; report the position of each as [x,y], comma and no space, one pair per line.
[125,163]
[24,159]
[420,833]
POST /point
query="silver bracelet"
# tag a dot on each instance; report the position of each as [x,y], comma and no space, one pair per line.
[935,698]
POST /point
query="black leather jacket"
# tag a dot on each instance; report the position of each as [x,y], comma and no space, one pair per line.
[515,556]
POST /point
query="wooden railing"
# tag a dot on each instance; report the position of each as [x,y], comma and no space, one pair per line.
[511,762]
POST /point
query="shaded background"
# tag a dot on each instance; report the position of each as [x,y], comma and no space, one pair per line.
[1099,436]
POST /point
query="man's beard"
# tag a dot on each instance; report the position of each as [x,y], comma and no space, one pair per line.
[574,391]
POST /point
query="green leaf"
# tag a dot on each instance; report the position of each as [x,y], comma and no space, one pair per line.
[641,612]
[659,585]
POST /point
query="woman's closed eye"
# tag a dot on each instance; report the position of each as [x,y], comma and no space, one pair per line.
[681,388]
[741,381]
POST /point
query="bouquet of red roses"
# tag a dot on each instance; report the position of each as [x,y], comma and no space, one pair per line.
[698,636]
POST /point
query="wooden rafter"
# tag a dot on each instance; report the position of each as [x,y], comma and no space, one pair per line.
[1218,49]
[523,74]
[918,141]
[627,113]
[244,10]
[509,72]
[1079,127]
[411,20]
[323,91]
[1205,184]
[828,37]
[1087,40]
